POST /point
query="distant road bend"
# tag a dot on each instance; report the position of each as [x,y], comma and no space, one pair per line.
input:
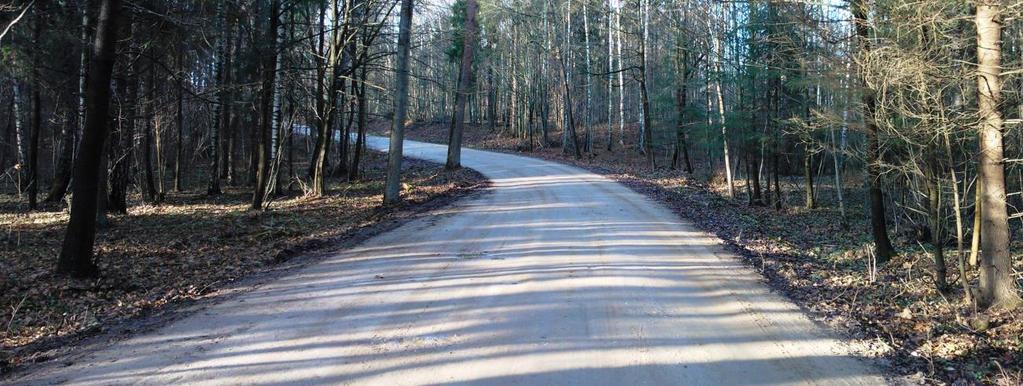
[555,276]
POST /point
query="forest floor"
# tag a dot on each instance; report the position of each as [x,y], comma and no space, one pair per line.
[818,259]
[159,257]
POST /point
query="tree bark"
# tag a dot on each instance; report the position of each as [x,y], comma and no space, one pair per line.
[811,202]
[20,142]
[392,188]
[883,250]
[997,285]
[721,116]
[147,136]
[76,252]
[263,142]
[464,86]
[37,116]
[684,72]
[360,138]
[937,220]
[621,76]
[331,82]
[118,149]
[62,170]
[179,137]
[223,111]
[610,82]
[589,84]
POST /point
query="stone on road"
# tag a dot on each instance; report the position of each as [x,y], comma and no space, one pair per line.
[553,276]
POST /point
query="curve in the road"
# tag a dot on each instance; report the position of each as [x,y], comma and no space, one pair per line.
[555,276]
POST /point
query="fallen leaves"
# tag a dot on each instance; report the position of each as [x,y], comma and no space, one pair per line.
[182,250]
[820,260]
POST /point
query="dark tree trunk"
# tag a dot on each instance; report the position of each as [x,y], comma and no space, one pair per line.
[33,144]
[120,146]
[344,148]
[811,203]
[360,140]
[147,136]
[648,136]
[76,252]
[71,131]
[335,59]
[223,113]
[7,135]
[263,133]
[62,175]
[571,117]
[491,100]
[230,166]
[754,177]
[777,184]
[681,96]
[180,137]
[937,225]
[37,116]
[464,86]
[882,245]
[102,198]
[392,187]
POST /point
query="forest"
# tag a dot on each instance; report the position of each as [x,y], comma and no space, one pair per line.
[864,156]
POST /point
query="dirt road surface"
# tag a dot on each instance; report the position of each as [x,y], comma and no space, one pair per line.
[553,276]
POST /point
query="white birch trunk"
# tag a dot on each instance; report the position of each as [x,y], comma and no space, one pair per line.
[610,65]
[721,116]
[621,79]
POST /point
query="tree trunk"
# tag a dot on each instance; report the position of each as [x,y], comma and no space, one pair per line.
[589,85]
[223,111]
[977,220]
[491,99]
[648,132]
[570,129]
[683,73]
[721,116]
[76,251]
[937,217]
[392,189]
[121,142]
[838,172]
[997,284]
[62,172]
[37,116]
[621,76]
[882,245]
[811,202]
[263,142]
[464,86]
[20,142]
[179,137]
[327,101]
[777,186]
[960,252]
[147,136]
[360,138]
[9,130]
